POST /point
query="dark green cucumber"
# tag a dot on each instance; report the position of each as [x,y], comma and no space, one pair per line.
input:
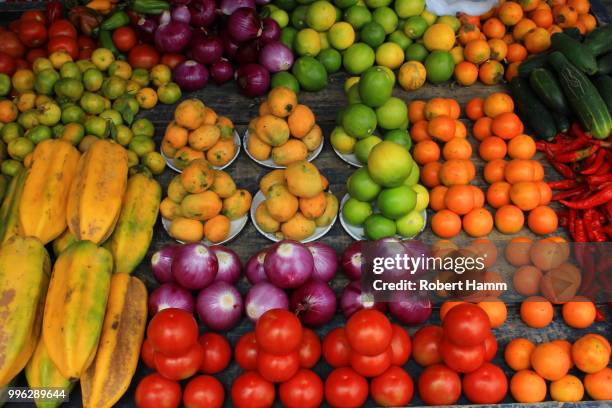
[561,121]
[574,33]
[603,83]
[587,104]
[533,112]
[575,52]
[599,41]
[604,63]
[531,63]
[545,84]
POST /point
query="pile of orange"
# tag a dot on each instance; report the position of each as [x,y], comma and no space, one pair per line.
[551,361]
[516,185]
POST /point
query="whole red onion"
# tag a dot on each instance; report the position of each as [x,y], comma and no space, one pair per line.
[352,259]
[411,309]
[271,30]
[229,264]
[202,13]
[353,300]
[314,303]
[288,264]
[276,56]
[170,295]
[253,80]
[206,49]
[190,75]
[243,25]
[325,261]
[264,296]
[254,270]
[221,71]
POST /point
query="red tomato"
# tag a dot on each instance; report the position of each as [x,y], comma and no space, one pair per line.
[303,390]
[124,38]
[400,345]
[336,348]
[490,345]
[439,385]
[466,325]
[345,388]
[278,331]
[172,60]
[20,63]
[173,332]
[84,42]
[36,16]
[14,26]
[486,385]
[203,391]
[65,43]
[251,390]
[143,56]
[217,353]
[245,351]
[7,64]
[275,368]
[85,53]
[62,27]
[463,359]
[181,367]
[36,53]
[32,33]
[393,388]
[426,345]
[10,44]
[310,349]
[155,391]
[371,366]
[147,354]
[369,332]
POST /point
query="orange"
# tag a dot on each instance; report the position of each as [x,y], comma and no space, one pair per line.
[567,389]
[509,219]
[460,129]
[456,148]
[416,111]
[512,70]
[547,254]
[466,73]
[516,53]
[459,199]
[542,17]
[479,197]
[436,107]
[567,348]
[429,174]
[517,170]
[448,305]
[525,195]
[508,38]
[537,40]
[281,101]
[436,198]
[542,220]
[494,28]
[477,51]
[538,170]
[580,26]
[526,280]
[517,251]
[467,19]
[591,354]
[550,361]
[565,16]
[522,27]
[445,224]
[300,121]
[589,22]
[529,5]
[554,29]
[518,353]
[598,385]
[491,72]
[482,128]
[426,151]
[536,312]
[494,171]
[478,222]
[496,310]
[467,33]
[498,103]
[521,147]
[510,13]
[498,194]
[418,132]
[545,192]
[474,108]
[492,148]
[507,125]
[499,49]
[528,387]
[455,172]
[442,128]
[581,6]
[454,108]
[579,313]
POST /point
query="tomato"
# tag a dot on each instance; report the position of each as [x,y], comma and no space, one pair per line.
[393,388]
[400,345]
[275,368]
[310,349]
[65,43]
[371,366]
[155,391]
[143,56]
[278,331]
[439,385]
[466,325]
[181,367]
[62,27]
[203,391]
[426,345]
[303,390]
[250,390]
[217,353]
[336,348]
[345,388]
[490,345]
[172,332]
[85,53]
[36,16]
[124,38]
[14,26]
[147,354]
[10,44]
[172,60]
[86,43]
[20,63]
[369,332]
[486,385]
[463,359]
[7,64]
[32,33]
[36,53]
[245,351]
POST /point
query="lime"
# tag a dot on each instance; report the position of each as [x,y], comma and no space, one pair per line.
[390,55]
[45,80]
[387,18]
[39,133]
[440,66]
[451,21]
[350,82]
[338,14]
[396,202]
[341,35]
[142,145]
[410,224]
[141,77]
[124,135]
[321,15]
[288,35]
[19,148]
[357,16]
[92,79]
[361,186]
[422,197]
[10,167]
[415,27]
[68,88]
[355,212]
[389,164]
[5,84]
[372,34]
[281,17]
[10,131]
[400,39]
[143,127]
[307,42]
[154,162]
[72,113]
[375,86]
[331,60]
[341,141]
[364,146]
[413,177]
[298,17]
[416,52]
[377,226]
[310,73]
[409,8]
[377,3]
[359,120]
[70,70]
[392,113]
[353,95]
[429,17]
[358,58]
[343,4]
[399,136]
[113,116]
[95,125]
[285,79]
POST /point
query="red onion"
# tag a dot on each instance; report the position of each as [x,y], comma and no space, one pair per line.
[314,303]
[161,263]
[170,295]
[181,14]
[253,80]
[248,52]
[206,49]
[353,300]
[288,264]
[221,71]
[229,264]
[262,297]
[228,7]
[202,13]
[352,259]
[190,75]
[243,25]
[171,35]
[230,47]
[271,30]
[325,261]
[276,56]
[411,309]
[254,270]
[219,306]
[194,266]
[146,28]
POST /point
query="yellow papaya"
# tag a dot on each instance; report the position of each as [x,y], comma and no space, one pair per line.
[96,193]
[24,276]
[41,372]
[42,208]
[9,211]
[75,306]
[111,372]
[62,242]
[134,230]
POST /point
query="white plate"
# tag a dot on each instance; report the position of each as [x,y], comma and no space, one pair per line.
[357,232]
[319,231]
[236,226]
[170,162]
[350,158]
[270,163]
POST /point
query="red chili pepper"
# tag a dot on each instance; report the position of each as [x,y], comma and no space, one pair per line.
[607,229]
[574,156]
[563,169]
[577,131]
[574,145]
[589,220]
[54,11]
[599,316]
[599,198]
[572,223]
[568,193]
[541,145]
[608,210]
[604,168]
[565,184]
[599,179]
[597,162]
[593,225]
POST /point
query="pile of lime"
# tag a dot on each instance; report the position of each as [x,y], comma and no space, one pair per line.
[357,34]
[384,196]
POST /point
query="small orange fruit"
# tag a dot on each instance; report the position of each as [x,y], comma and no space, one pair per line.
[482,128]
[517,251]
[478,223]
[528,387]
[518,354]
[536,312]
[565,16]
[521,147]
[418,132]
[567,389]
[579,313]
[445,224]
[525,195]
[429,174]
[498,103]
[416,111]
[542,220]
[598,385]
[491,72]
[436,107]
[496,310]
[436,198]
[494,28]
[459,199]
[507,125]
[550,361]
[522,27]
[498,194]
[494,171]
[457,148]
[526,280]
[474,108]
[477,51]
[509,219]
[442,128]
[516,53]
[466,73]
[425,152]
[510,13]
[499,49]
[537,40]
[492,148]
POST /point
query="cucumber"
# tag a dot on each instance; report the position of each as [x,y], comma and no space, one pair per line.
[574,33]
[533,112]
[531,63]
[599,41]
[604,64]
[545,84]
[587,104]
[561,121]
[575,52]
[603,83]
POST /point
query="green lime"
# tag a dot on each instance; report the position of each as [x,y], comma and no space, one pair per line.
[93,78]
[169,93]
[372,34]
[5,84]
[142,145]
[377,3]
[399,136]
[396,202]
[400,39]
[39,133]
[355,212]
[357,16]
[440,66]
[341,141]
[422,199]
[413,176]
[409,8]
[331,60]
[387,18]
[285,79]
[45,81]
[343,4]
[389,164]
[321,15]
[68,88]
[410,224]
[416,52]
[10,131]
[72,113]
[390,55]
[375,86]
[143,127]
[19,148]
[57,130]
[353,94]
[113,116]
[154,162]
[358,58]
[10,167]
[124,135]
[392,113]
[28,119]
[281,17]
[95,125]
[415,27]
[364,146]
[341,35]
[451,21]
[298,17]
[288,35]
[377,226]
[359,120]
[141,77]
[361,186]
[310,73]
[92,103]
[307,42]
